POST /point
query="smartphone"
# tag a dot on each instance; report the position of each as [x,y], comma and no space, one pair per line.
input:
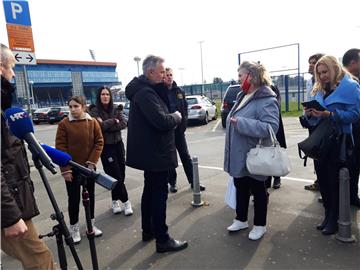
[313,104]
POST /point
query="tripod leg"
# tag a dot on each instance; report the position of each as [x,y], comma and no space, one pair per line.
[60,247]
[90,232]
[61,228]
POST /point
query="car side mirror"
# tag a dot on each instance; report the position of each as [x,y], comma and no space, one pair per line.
[213,102]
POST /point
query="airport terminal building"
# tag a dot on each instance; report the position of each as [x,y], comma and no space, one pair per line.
[52,82]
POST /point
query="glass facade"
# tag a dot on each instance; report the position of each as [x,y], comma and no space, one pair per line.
[53,81]
[46,76]
[99,76]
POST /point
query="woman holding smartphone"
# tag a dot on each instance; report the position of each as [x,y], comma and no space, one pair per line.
[339,94]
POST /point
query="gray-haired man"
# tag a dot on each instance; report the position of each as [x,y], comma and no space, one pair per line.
[151,148]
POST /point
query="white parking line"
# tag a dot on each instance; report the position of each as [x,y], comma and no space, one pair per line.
[216,125]
[285,177]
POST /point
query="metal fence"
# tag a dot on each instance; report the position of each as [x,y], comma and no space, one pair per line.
[292,90]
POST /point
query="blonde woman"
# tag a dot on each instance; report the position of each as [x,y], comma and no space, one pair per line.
[337,91]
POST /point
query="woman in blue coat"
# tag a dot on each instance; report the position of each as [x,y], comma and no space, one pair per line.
[337,91]
[255,111]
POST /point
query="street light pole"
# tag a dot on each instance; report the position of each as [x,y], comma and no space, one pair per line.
[202,70]
[181,74]
[32,98]
[137,59]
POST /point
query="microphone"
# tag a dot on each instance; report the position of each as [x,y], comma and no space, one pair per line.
[64,159]
[21,126]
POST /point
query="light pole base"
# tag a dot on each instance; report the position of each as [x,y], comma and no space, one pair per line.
[349,239]
[197,204]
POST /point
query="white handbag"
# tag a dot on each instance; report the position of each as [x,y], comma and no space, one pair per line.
[268,160]
[230,195]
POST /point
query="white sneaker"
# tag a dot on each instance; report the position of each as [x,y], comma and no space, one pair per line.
[116,208]
[75,233]
[128,209]
[237,225]
[95,229]
[257,232]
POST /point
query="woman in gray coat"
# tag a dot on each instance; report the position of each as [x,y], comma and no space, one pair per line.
[255,111]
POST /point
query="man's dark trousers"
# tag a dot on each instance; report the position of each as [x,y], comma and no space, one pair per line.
[153,205]
[181,146]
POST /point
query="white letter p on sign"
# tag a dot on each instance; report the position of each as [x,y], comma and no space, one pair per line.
[15,8]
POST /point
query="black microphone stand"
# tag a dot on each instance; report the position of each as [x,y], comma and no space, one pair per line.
[90,233]
[60,229]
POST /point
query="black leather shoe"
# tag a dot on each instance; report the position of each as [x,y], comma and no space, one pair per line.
[146,237]
[173,188]
[277,183]
[355,202]
[330,228]
[322,225]
[171,245]
[202,188]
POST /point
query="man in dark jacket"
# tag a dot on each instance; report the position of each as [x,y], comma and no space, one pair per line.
[19,237]
[151,148]
[351,61]
[177,102]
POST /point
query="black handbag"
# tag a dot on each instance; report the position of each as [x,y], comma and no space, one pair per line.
[322,143]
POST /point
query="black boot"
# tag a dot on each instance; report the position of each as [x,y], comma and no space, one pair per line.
[322,225]
[276,183]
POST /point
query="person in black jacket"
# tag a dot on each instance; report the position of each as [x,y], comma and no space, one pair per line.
[177,102]
[280,136]
[151,148]
[19,237]
[351,61]
[112,121]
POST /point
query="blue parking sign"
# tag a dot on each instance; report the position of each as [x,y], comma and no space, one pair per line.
[17,12]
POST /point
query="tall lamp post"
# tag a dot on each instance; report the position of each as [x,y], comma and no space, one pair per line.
[181,74]
[137,59]
[202,69]
[31,97]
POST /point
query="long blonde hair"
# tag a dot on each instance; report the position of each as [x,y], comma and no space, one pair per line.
[336,72]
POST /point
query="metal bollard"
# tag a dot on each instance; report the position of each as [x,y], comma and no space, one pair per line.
[344,221]
[197,202]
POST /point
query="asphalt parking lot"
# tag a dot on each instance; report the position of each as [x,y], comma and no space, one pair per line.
[292,242]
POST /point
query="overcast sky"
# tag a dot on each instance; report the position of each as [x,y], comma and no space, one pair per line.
[119,30]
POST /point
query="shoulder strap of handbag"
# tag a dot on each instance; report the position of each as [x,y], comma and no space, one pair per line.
[274,141]
[305,157]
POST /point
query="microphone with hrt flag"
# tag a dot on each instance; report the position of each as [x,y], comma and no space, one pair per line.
[21,126]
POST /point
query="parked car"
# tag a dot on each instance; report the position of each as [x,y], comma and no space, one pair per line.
[228,102]
[56,114]
[40,115]
[200,108]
